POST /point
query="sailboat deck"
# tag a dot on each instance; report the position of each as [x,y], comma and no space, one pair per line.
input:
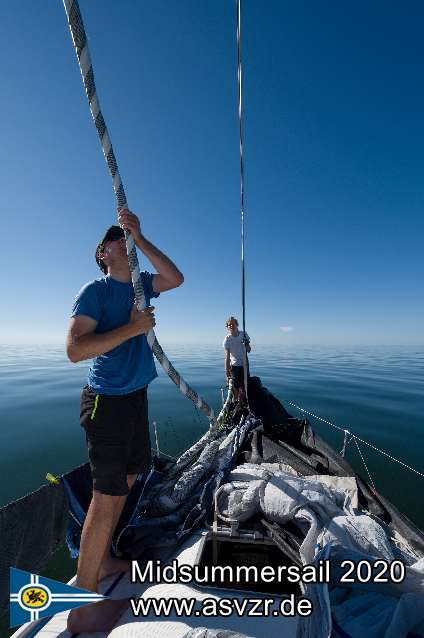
[173,626]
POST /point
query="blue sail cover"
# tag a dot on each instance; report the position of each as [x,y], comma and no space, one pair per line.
[169,502]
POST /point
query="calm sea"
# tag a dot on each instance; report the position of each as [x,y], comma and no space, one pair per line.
[376,392]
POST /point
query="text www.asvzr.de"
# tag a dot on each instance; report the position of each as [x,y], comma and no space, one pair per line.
[221,607]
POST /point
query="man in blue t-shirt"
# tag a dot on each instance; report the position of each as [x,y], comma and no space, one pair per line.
[107,327]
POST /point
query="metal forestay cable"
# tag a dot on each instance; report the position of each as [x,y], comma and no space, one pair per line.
[81,46]
[354,437]
[240,114]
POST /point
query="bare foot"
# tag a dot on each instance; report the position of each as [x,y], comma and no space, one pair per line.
[101,616]
[112,565]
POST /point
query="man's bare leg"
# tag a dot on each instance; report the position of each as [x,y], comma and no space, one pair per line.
[111,564]
[95,540]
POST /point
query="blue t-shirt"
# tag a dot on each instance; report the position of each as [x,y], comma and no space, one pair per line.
[127,367]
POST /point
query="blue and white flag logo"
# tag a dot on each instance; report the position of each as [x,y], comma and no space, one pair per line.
[33,597]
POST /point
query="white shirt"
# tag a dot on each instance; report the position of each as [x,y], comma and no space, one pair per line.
[236,348]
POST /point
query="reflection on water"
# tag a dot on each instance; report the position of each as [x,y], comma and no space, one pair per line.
[375,392]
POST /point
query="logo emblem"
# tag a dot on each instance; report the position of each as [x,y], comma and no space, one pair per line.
[33,597]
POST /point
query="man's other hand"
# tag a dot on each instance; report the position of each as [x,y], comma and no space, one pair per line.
[142,320]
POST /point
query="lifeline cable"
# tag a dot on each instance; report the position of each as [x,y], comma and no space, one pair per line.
[79,38]
[240,114]
[353,437]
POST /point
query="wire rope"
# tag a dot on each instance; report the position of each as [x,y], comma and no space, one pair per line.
[353,436]
[240,116]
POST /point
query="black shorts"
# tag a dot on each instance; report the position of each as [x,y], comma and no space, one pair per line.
[118,439]
[237,376]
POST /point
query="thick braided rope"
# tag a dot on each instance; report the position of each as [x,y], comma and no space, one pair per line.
[81,46]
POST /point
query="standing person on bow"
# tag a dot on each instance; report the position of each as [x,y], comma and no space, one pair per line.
[235,345]
[107,327]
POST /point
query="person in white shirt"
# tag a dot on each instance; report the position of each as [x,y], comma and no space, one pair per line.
[234,344]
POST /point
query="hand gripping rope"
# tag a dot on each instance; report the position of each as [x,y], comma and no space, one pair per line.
[81,46]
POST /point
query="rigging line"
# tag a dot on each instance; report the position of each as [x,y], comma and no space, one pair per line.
[79,39]
[363,461]
[346,440]
[392,458]
[240,115]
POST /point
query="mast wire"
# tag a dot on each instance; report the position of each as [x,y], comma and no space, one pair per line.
[240,115]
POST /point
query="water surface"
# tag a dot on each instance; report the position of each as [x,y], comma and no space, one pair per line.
[375,392]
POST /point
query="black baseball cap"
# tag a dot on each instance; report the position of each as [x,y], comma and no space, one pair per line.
[112,233]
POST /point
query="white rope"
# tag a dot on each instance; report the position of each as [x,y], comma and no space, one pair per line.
[79,38]
[389,456]
[156,437]
[347,439]
[343,450]
[227,402]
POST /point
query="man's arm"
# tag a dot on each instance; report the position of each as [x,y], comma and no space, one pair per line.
[168,276]
[83,343]
[227,363]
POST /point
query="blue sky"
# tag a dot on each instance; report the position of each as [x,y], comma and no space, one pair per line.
[334,139]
